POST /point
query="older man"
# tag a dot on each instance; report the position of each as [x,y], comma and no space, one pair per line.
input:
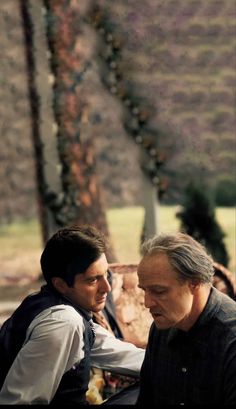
[191,352]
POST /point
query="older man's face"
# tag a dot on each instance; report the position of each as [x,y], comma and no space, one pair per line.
[169,300]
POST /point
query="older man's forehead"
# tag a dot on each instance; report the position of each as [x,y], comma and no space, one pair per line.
[151,261]
[156,271]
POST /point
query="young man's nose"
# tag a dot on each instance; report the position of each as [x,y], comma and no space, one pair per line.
[105,287]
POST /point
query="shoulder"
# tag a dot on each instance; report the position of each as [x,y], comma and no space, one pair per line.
[227,306]
[226,313]
[65,312]
[58,317]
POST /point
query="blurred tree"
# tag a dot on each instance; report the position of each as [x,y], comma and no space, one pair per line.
[225,191]
[198,220]
[68,188]
[137,113]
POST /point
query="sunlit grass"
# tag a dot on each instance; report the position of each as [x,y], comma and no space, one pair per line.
[19,237]
[125,225]
[227,219]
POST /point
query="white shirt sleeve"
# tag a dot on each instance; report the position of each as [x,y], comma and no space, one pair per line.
[54,343]
[115,355]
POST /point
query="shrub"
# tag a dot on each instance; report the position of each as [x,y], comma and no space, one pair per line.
[199,221]
[225,192]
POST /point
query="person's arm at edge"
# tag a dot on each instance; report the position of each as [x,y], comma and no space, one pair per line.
[115,355]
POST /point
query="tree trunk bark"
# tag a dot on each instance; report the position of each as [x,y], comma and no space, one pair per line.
[68,188]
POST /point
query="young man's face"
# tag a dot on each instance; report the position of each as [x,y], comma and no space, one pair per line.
[90,288]
[170,301]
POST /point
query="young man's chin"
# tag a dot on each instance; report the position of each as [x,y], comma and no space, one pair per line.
[99,306]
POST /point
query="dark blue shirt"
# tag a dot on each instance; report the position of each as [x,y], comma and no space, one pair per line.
[196,367]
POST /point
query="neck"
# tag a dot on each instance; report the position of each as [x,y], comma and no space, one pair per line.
[200,296]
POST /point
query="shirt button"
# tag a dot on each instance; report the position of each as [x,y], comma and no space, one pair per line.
[181,403]
[184,369]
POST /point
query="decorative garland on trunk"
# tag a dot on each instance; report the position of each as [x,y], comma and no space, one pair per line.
[137,110]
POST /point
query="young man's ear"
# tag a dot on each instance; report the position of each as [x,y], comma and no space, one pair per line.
[59,284]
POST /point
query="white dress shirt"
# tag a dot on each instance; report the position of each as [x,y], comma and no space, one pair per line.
[53,344]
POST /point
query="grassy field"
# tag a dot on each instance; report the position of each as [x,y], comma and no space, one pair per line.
[21,246]
[126,225]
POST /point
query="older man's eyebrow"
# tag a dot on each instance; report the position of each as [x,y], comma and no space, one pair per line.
[156,286]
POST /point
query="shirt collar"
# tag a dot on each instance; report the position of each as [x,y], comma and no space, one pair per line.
[63,299]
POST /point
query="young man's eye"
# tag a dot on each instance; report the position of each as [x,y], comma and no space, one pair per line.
[93,280]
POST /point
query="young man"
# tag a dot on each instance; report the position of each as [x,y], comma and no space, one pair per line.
[50,342]
[191,353]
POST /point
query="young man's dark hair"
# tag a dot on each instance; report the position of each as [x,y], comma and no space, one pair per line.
[70,251]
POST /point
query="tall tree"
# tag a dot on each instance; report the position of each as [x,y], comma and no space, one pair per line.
[137,112]
[66,168]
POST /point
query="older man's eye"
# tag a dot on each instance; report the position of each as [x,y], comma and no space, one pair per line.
[160,292]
